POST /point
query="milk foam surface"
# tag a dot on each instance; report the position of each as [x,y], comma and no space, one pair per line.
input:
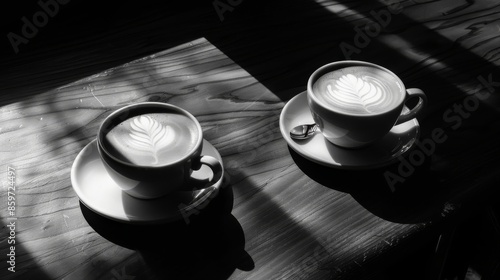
[153,139]
[359,90]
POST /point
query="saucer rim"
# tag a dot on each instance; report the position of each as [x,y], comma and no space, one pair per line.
[290,142]
[134,220]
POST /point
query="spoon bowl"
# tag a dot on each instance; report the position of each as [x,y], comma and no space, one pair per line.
[304,131]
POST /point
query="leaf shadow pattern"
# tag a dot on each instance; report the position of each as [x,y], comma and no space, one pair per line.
[210,246]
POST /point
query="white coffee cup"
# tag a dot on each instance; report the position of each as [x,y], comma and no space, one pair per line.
[355,103]
[151,149]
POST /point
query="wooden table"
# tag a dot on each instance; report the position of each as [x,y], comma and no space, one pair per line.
[277,216]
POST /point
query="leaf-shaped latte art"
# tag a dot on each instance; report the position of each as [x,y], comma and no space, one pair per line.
[361,94]
[149,135]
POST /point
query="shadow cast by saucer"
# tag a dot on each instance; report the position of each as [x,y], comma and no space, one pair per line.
[383,191]
[209,244]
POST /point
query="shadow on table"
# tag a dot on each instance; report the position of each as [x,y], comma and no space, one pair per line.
[210,246]
[411,199]
[289,41]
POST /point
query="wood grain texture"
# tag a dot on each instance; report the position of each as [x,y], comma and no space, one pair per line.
[278,216]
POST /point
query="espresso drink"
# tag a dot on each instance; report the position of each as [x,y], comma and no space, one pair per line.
[359,90]
[153,139]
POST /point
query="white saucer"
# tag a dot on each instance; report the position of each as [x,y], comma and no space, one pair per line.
[397,142]
[102,195]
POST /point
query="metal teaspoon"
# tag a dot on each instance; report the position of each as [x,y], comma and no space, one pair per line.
[303,131]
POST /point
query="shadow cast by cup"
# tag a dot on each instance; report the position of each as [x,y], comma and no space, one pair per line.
[383,191]
[208,245]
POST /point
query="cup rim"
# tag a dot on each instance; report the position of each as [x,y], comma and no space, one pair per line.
[325,68]
[114,114]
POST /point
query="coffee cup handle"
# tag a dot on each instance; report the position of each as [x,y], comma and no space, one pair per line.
[216,167]
[415,111]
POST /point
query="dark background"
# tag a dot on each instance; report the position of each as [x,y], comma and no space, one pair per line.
[278,42]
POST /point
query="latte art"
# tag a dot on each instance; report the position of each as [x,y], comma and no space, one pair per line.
[153,139]
[358,90]
[150,136]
